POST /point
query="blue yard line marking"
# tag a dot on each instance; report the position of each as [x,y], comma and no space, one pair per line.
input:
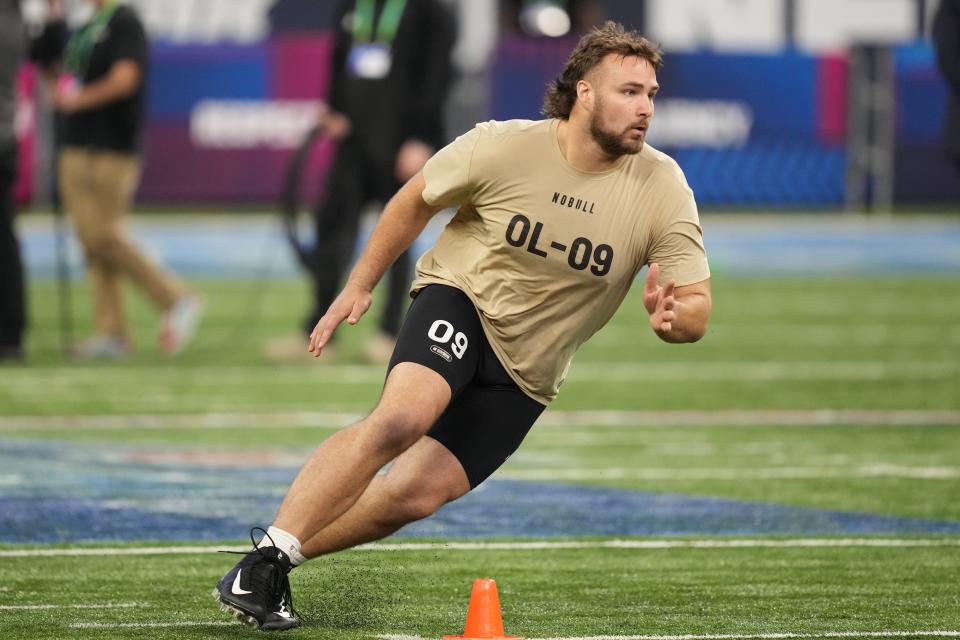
[95,493]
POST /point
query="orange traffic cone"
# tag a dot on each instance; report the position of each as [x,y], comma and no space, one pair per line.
[483,616]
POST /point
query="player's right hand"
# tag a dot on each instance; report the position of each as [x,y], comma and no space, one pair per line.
[659,301]
[350,305]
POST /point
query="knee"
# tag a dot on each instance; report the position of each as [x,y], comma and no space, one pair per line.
[392,434]
[409,501]
[98,245]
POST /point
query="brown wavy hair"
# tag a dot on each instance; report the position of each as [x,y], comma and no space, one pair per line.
[592,48]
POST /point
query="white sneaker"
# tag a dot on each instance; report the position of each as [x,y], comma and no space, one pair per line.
[180,324]
[102,347]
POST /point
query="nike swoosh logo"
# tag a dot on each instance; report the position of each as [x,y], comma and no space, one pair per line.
[237,591]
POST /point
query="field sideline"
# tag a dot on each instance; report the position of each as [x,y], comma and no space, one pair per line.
[794,475]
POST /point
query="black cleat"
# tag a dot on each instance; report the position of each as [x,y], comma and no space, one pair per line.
[257,591]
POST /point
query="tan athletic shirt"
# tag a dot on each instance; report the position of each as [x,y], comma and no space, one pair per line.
[546,252]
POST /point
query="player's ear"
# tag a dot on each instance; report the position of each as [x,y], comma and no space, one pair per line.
[585,94]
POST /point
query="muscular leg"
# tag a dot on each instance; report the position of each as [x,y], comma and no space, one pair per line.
[342,467]
[423,479]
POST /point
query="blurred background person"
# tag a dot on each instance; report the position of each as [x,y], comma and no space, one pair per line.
[390,76]
[12,298]
[946,39]
[99,168]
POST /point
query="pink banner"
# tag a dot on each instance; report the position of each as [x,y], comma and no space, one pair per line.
[832,73]
[25,125]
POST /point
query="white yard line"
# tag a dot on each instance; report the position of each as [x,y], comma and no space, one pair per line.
[115,551]
[536,545]
[763,473]
[761,371]
[585,371]
[756,636]
[149,625]
[665,544]
[738,636]
[552,418]
[213,420]
[105,605]
[751,417]
[821,335]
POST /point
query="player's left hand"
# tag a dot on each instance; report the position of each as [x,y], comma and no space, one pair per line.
[350,305]
[659,301]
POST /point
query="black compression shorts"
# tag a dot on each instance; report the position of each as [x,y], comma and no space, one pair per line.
[488,416]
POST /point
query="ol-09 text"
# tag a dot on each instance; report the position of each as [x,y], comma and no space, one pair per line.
[581,253]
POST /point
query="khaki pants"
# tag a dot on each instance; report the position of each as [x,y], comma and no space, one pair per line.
[97,188]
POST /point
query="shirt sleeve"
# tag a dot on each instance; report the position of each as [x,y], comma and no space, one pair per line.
[946,38]
[448,172]
[129,38]
[47,48]
[679,248]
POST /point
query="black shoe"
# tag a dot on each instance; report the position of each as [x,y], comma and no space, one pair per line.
[257,590]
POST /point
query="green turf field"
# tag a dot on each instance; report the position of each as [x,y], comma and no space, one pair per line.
[833,394]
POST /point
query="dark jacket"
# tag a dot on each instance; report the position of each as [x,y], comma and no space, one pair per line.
[11,52]
[408,102]
[946,38]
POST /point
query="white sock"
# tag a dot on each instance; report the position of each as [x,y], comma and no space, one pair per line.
[286,542]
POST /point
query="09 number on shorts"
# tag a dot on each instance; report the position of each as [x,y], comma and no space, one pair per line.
[442,331]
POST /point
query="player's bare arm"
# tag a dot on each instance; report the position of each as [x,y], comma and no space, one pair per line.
[677,314]
[403,219]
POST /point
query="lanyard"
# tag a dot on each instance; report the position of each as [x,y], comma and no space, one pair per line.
[386,29]
[80,46]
